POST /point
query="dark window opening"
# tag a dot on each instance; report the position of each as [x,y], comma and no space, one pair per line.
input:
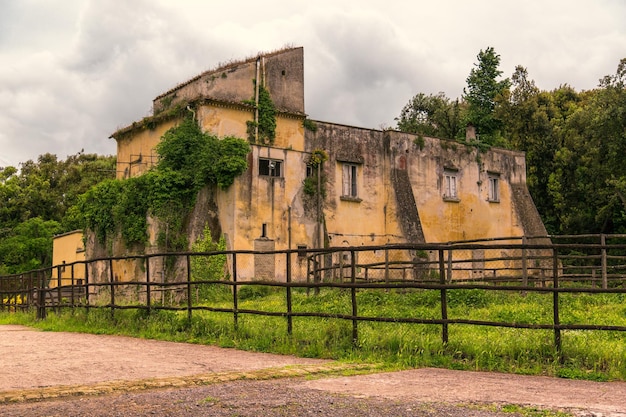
[270,167]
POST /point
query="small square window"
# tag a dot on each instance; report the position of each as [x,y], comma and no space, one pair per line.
[270,167]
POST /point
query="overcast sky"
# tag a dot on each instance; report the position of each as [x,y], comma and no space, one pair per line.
[74,71]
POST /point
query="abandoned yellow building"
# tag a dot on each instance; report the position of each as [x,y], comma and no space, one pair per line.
[379,186]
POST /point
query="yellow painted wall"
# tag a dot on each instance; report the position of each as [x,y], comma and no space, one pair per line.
[222,120]
[289,133]
[472,215]
[136,150]
[66,249]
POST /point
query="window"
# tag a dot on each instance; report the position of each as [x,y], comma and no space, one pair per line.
[450,185]
[494,188]
[270,167]
[349,177]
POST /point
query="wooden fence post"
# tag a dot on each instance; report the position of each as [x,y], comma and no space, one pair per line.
[57,308]
[288,294]
[355,322]
[41,297]
[444,297]
[112,285]
[235,306]
[87,287]
[148,286]
[524,262]
[449,279]
[605,280]
[188,288]
[555,303]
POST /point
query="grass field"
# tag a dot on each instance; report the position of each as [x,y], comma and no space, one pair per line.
[586,354]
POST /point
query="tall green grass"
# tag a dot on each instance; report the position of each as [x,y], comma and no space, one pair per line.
[597,355]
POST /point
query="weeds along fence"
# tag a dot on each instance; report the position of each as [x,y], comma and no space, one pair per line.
[553,266]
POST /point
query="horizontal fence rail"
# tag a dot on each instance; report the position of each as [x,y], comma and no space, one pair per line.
[551,265]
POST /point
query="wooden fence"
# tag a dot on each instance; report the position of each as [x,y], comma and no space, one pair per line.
[553,268]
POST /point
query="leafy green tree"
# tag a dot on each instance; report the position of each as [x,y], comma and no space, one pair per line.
[28,247]
[431,115]
[483,88]
[589,175]
[529,117]
[36,202]
[209,268]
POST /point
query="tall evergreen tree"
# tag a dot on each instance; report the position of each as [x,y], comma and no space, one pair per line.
[481,93]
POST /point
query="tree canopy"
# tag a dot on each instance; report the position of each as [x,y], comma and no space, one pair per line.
[483,89]
[36,202]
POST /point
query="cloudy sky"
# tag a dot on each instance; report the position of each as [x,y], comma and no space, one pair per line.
[74,71]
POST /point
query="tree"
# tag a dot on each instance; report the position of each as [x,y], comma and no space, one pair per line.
[28,247]
[589,178]
[528,118]
[36,202]
[481,93]
[432,115]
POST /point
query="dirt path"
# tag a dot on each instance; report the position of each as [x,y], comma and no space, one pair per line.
[37,365]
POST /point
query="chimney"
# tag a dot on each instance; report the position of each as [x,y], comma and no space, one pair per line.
[470,133]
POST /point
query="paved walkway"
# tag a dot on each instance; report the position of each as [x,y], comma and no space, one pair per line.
[38,364]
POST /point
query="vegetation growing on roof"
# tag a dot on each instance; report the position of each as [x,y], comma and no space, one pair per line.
[309,125]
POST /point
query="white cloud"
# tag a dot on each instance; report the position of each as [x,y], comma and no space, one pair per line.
[74,71]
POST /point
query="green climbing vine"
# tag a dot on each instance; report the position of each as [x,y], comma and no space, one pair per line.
[188,160]
[310,186]
[267,119]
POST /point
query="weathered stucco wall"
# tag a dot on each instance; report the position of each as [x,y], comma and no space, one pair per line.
[135,150]
[380,208]
[224,120]
[471,215]
[282,72]
[369,216]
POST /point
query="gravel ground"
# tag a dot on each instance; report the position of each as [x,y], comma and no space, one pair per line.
[72,374]
[272,398]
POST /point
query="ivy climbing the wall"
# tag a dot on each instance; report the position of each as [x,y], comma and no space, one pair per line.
[267,119]
[311,187]
[188,160]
